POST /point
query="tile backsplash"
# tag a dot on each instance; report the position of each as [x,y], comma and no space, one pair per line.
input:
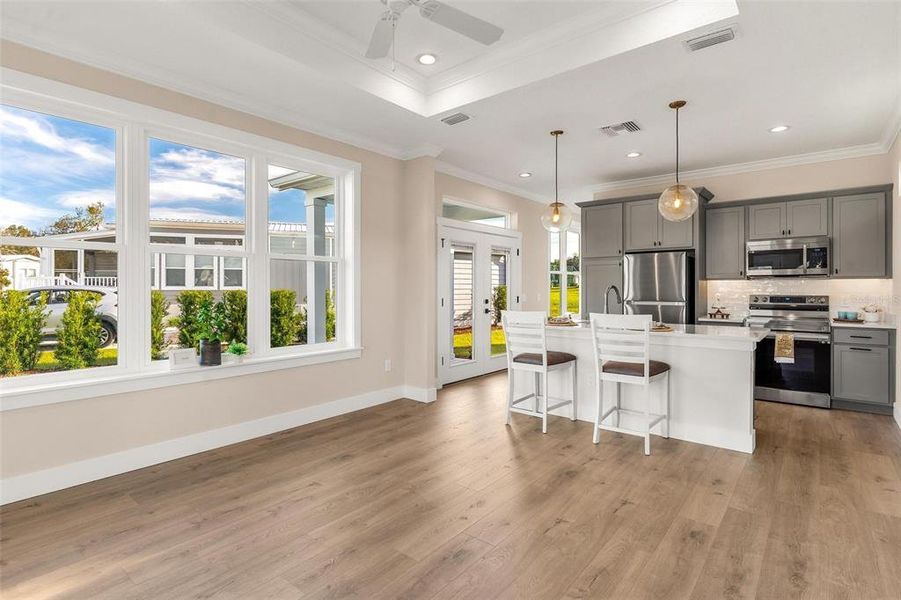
[844,294]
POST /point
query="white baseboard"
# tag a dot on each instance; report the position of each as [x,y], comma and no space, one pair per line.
[33,484]
[420,394]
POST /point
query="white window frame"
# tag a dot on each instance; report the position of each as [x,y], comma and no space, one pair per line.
[574,228]
[134,125]
[509,217]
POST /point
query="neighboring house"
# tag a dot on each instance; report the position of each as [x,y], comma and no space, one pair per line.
[173,273]
[22,268]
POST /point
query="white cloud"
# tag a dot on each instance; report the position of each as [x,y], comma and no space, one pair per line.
[166,191]
[16,212]
[84,198]
[193,175]
[38,130]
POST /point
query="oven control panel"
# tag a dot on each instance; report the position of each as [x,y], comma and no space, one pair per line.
[758,299]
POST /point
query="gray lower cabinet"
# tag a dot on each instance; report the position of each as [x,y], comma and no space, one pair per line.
[597,275]
[641,225]
[859,236]
[602,231]
[862,366]
[645,229]
[725,251]
[766,221]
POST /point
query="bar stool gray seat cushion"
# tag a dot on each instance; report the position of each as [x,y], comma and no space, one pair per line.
[553,358]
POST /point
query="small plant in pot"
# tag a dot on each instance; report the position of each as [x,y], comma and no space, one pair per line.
[235,353]
[212,320]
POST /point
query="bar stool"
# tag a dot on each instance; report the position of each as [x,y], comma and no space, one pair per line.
[527,351]
[622,355]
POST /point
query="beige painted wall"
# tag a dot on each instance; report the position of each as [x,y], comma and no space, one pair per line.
[43,437]
[830,175]
[527,220]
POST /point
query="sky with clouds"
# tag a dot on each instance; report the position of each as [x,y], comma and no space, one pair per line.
[49,166]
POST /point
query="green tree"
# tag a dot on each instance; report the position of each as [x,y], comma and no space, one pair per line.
[498,303]
[285,322]
[89,218]
[235,304]
[18,231]
[21,322]
[330,316]
[5,281]
[189,326]
[159,308]
[78,334]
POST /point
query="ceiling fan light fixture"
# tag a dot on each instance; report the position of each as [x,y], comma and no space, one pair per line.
[678,202]
[556,216]
[427,59]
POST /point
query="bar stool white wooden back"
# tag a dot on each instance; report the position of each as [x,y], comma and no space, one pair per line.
[527,352]
[622,355]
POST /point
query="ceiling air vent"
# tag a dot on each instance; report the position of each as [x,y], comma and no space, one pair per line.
[455,118]
[618,128]
[710,39]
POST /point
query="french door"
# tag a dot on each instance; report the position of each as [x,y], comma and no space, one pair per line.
[479,273]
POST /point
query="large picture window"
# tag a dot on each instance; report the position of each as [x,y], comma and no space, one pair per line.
[99,296]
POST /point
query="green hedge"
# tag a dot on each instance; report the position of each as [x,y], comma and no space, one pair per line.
[188,323]
[285,323]
[235,305]
[159,308]
[20,331]
[78,334]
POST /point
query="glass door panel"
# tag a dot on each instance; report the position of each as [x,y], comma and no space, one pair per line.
[499,278]
[461,301]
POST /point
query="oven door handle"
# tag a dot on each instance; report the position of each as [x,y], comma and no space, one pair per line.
[823,338]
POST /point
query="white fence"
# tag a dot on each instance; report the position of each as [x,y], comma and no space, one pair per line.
[105,281]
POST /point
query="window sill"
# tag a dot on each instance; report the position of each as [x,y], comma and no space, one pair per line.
[43,394]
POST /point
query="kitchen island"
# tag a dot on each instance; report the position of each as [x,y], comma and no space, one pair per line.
[712,382]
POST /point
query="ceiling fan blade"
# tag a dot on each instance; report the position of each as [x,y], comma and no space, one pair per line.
[461,22]
[382,36]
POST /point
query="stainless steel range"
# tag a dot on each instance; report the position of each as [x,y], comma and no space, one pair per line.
[808,379]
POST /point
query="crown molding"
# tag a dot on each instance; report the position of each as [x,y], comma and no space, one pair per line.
[893,128]
[455,171]
[432,150]
[747,167]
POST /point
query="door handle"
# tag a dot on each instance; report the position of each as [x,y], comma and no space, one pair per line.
[862,349]
[487,310]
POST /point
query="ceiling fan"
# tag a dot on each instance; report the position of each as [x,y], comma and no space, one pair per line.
[438,12]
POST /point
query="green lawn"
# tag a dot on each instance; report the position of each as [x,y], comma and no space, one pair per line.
[47,360]
[572,300]
[463,343]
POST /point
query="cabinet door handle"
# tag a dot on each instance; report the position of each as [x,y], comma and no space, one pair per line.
[861,337]
[862,349]
[783,232]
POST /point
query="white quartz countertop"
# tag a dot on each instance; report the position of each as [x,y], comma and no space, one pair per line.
[735,320]
[694,335]
[879,325]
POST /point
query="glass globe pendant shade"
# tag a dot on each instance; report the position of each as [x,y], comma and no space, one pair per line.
[678,203]
[556,217]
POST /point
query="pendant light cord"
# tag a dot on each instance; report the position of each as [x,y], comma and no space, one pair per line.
[556,194]
[677,146]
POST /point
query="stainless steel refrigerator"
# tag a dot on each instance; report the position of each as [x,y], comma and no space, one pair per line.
[660,284]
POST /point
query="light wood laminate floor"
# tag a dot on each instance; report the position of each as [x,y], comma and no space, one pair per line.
[408,500]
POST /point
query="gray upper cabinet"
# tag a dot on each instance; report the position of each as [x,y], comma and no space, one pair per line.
[796,218]
[807,217]
[859,236]
[676,234]
[725,251]
[647,230]
[766,221]
[641,220]
[602,231]
[597,275]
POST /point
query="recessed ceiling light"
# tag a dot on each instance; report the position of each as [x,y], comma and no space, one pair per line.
[525,174]
[427,59]
[633,155]
[779,128]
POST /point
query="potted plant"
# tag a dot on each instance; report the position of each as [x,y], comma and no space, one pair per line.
[235,353]
[212,321]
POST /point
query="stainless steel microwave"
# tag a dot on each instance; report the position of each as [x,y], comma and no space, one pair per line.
[789,257]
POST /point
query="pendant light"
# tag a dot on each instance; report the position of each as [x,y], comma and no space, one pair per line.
[677,202]
[556,216]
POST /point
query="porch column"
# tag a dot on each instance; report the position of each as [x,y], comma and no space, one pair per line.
[317,272]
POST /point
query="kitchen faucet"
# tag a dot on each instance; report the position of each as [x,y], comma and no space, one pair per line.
[619,298]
